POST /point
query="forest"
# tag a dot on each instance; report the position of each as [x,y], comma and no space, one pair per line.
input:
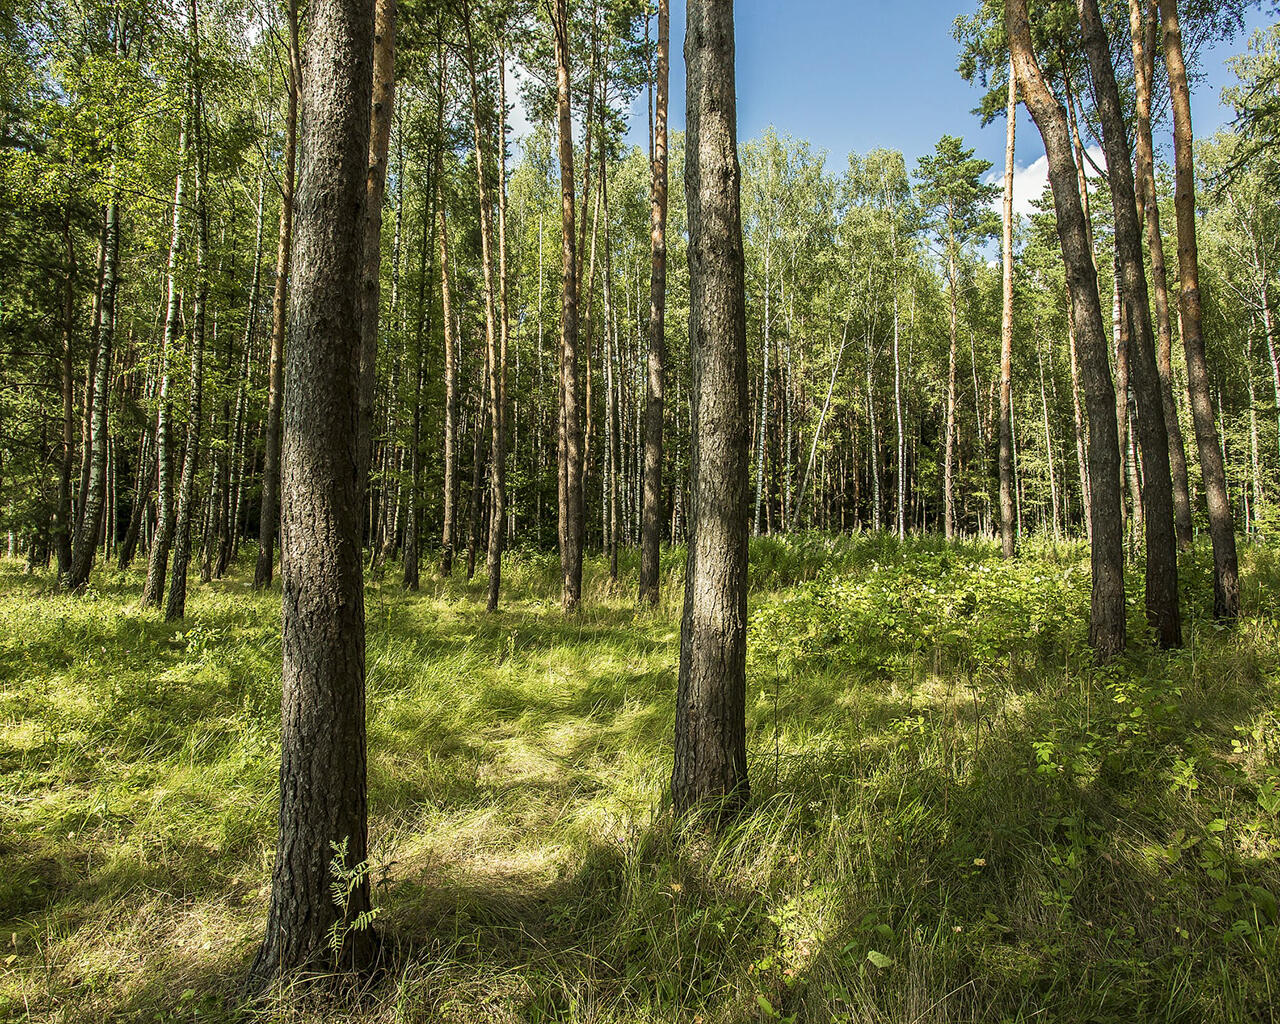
[485,538]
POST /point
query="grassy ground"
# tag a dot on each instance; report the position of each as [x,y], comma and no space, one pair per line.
[954,816]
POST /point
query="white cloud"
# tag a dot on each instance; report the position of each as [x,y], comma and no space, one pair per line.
[1029,181]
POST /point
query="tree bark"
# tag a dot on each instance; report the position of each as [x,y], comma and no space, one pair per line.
[323,795]
[284,257]
[1143,39]
[570,434]
[710,769]
[948,489]
[63,525]
[1157,494]
[1226,576]
[1008,542]
[175,607]
[496,360]
[93,498]
[1107,618]
[448,536]
[384,49]
[651,503]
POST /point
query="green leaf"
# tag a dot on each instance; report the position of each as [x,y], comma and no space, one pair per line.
[765,1005]
[879,959]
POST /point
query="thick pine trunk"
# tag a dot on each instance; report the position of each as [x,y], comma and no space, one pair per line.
[323,795]
[1226,576]
[1107,619]
[710,769]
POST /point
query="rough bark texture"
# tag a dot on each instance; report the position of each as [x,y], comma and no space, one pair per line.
[651,502]
[1226,576]
[710,771]
[323,798]
[1143,38]
[1107,618]
[1008,526]
[284,255]
[571,520]
[1157,492]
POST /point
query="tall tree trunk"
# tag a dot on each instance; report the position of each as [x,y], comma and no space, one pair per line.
[158,556]
[948,483]
[1007,538]
[177,601]
[1143,42]
[710,768]
[762,433]
[651,511]
[230,518]
[496,364]
[93,497]
[448,537]
[1157,494]
[90,377]
[323,792]
[1226,577]
[1107,619]
[571,521]
[284,257]
[63,523]
[384,51]
[476,498]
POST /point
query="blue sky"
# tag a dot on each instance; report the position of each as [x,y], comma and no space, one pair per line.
[850,75]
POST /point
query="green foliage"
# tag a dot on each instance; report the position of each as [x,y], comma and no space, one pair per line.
[954,814]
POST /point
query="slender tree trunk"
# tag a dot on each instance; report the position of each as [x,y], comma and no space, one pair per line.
[63,521]
[1143,40]
[497,456]
[284,258]
[384,50]
[763,432]
[570,456]
[651,511]
[948,488]
[482,427]
[231,519]
[450,353]
[710,769]
[1107,620]
[323,793]
[1157,495]
[93,497]
[1007,539]
[1226,577]
[175,608]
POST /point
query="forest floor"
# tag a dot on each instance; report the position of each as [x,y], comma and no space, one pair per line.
[955,816]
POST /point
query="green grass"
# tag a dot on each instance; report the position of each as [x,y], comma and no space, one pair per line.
[955,816]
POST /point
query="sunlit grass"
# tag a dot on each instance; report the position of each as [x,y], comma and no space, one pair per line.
[955,816]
